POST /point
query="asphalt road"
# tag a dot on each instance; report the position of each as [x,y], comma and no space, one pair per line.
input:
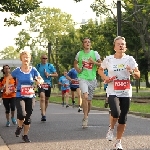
[63,131]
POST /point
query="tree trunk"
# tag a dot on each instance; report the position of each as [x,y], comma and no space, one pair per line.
[146,79]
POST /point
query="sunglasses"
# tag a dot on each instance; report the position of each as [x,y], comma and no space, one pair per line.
[44,58]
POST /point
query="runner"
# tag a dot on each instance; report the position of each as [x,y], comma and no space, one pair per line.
[120,66]
[65,88]
[74,86]
[8,100]
[25,76]
[47,71]
[86,62]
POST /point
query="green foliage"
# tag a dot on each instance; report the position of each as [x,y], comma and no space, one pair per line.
[9,53]
[17,7]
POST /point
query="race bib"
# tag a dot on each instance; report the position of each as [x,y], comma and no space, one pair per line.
[11,88]
[75,82]
[121,85]
[27,91]
[45,86]
[87,65]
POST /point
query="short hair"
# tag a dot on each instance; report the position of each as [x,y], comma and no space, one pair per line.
[85,38]
[24,52]
[118,38]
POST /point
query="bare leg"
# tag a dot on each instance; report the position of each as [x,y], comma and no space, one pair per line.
[67,98]
[85,104]
[26,129]
[79,97]
[120,130]
[46,102]
[42,103]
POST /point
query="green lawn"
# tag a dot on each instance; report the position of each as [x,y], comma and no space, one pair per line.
[135,107]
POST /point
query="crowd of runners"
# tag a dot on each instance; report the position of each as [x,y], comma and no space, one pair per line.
[18,87]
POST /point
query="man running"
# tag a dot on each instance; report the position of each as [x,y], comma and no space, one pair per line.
[86,62]
[74,86]
[47,71]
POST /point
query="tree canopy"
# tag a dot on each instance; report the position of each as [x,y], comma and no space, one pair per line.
[16,8]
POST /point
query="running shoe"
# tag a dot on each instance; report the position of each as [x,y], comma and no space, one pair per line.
[7,124]
[84,123]
[25,139]
[67,106]
[118,146]
[106,105]
[14,121]
[18,131]
[43,118]
[79,109]
[109,135]
[63,104]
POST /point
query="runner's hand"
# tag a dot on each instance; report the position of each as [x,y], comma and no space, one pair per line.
[90,60]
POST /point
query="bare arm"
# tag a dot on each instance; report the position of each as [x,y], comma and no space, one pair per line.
[77,67]
[54,74]
[97,63]
[68,78]
[135,72]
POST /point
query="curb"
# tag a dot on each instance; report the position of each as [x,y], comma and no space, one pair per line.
[3,145]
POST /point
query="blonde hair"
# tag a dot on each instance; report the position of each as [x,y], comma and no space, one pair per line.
[118,38]
[24,53]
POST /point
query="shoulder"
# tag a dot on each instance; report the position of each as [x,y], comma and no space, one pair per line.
[34,69]
[50,65]
[38,65]
[109,57]
[16,69]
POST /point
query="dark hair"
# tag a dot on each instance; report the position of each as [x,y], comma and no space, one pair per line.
[85,38]
[3,68]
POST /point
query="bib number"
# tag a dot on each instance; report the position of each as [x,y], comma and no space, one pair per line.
[75,82]
[11,88]
[45,86]
[27,91]
[121,85]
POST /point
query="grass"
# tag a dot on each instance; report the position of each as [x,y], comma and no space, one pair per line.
[135,107]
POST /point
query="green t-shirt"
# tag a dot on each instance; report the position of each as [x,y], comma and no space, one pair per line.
[88,69]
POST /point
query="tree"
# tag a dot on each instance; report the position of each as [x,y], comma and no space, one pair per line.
[135,15]
[9,53]
[49,24]
[17,7]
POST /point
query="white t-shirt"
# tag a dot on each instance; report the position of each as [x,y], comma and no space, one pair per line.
[117,67]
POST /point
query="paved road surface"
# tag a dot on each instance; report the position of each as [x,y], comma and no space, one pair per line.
[62,131]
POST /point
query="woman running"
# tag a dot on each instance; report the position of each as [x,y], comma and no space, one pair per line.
[8,99]
[25,94]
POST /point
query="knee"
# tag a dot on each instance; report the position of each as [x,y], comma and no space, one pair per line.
[7,111]
[122,120]
[27,121]
[85,96]
[42,100]
[115,114]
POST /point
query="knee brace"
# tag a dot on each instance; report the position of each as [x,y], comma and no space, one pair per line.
[27,121]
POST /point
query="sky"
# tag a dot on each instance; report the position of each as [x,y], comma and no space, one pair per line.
[79,11]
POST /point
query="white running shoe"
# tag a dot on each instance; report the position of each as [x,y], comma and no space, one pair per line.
[118,146]
[84,123]
[109,135]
